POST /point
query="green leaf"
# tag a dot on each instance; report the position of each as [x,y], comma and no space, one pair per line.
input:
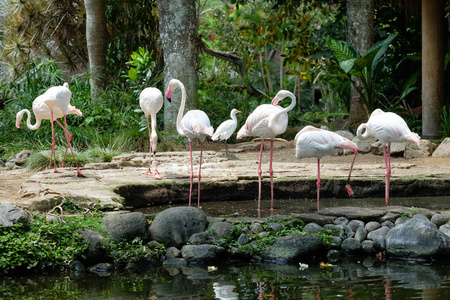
[342,50]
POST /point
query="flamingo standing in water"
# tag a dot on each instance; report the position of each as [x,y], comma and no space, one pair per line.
[226,129]
[151,101]
[41,112]
[315,142]
[388,128]
[266,122]
[194,124]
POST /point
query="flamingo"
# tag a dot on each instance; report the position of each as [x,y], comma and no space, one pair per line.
[266,122]
[226,129]
[193,125]
[315,142]
[151,101]
[388,128]
[57,98]
[41,112]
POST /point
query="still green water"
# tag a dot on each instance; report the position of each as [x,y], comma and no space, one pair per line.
[348,278]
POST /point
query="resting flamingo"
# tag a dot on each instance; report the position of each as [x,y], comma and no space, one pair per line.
[41,112]
[226,129]
[151,101]
[194,124]
[266,122]
[388,128]
[315,142]
[57,98]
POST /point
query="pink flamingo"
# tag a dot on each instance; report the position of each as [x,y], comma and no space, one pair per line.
[151,101]
[388,128]
[57,99]
[315,142]
[266,122]
[194,125]
[41,112]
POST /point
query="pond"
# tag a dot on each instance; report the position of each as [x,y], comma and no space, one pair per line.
[348,278]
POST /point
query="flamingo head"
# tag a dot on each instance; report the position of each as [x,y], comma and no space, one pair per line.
[73,110]
[173,85]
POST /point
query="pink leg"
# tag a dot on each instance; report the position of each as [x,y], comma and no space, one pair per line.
[192,172]
[259,174]
[387,160]
[271,175]
[318,184]
[156,175]
[67,146]
[347,186]
[53,154]
[149,172]
[68,138]
[200,173]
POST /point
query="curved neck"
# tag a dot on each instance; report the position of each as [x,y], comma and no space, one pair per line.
[272,121]
[233,117]
[360,134]
[182,105]
[29,125]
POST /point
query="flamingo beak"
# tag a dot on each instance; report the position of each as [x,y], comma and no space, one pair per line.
[169,94]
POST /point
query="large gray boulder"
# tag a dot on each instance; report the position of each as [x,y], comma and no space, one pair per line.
[174,226]
[416,238]
[202,254]
[126,226]
[95,252]
[11,214]
[443,150]
[220,230]
[288,248]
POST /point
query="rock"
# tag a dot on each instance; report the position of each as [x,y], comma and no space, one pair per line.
[425,149]
[275,227]
[220,230]
[95,252]
[445,229]
[102,269]
[288,248]
[416,238]
[361,234]
[380,232]
[367,246]
[345,133]
[336,242]
[379,243]
[22,157]
[174,226]
[341,221]
[202,254]
[364,145]
[443,150]
[256,228]
[371,226]
[312,228]
[440,219]
[11,214]
[388,224]
[243,239]
[173,252]
[77,266]
[401,220]
[175,263]
[200,238]
[345,231]
[420,216]
[363,214]
[396,148]
[126,226]
[351,246]
[52,219]
[355,224]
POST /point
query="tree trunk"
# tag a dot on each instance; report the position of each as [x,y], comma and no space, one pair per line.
[97,43]
[360,15]
[432,67]
[178,31]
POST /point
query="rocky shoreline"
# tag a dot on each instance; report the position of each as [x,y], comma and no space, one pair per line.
[189,237]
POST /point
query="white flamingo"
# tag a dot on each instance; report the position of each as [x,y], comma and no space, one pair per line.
[388,128]
[41,112]
[267,121]
[193,125]
[151,101]
[315,142]
[226,129]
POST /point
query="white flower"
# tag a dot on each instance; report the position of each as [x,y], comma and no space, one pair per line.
[303,266]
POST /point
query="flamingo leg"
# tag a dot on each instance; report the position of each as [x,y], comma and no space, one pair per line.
[347,186]
[156,175]
[67,146]
[318,184]
[149,172]
[52,153]
[259,175]
[199,173]
[271,175]
[68,138]
[192,172]
[387,161]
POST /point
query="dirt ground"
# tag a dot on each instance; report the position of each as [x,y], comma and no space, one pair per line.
[11,180]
